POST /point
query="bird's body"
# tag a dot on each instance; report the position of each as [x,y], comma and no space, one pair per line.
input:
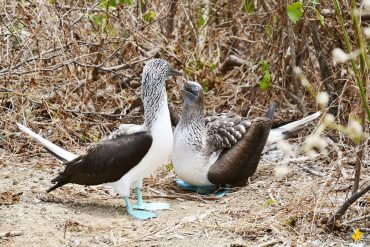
[129,154]
[220,150]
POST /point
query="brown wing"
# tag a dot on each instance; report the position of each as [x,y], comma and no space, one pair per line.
[225,130]
[106,162]
[239,162]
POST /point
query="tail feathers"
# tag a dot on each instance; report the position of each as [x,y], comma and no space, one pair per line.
[271,111]
[55,150]
[287,130]
[60,181]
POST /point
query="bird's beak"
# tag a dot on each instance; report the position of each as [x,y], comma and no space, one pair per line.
[175,72]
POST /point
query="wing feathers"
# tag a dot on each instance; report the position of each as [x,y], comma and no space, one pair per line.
[237,163]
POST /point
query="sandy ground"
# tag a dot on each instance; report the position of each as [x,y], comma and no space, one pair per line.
[280,212]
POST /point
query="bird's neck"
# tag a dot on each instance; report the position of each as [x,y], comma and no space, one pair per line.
[191,125]
[155,102]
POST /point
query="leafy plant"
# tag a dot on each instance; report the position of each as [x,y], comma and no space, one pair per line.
[265,82]
[295,11]
[149,16]
[270,202]
[249,6]
[201,21]
[169,166]
[104,4]
[128,2]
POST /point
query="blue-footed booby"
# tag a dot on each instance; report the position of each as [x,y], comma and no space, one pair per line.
[221,150]
[129,154]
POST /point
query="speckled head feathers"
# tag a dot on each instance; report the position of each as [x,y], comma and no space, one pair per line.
[193,93]
[157,70]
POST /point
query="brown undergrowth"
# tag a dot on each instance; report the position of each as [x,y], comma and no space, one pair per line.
[71,70]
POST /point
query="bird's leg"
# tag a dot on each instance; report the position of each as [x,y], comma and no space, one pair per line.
[142,215]
[203,190]
[148,206]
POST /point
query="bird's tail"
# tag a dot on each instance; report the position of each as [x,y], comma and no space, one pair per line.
[271,111]
[55,150]
[285,131]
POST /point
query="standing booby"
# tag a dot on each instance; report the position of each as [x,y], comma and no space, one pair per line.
[129,154]
[221,150]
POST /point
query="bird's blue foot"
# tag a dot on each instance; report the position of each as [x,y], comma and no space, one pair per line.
[149,206]
[138,214]
[141,215]
[204,190]
[152,206]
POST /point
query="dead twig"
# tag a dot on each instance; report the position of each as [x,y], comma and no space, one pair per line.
[366,217]
[293,59]
[342,209]
[10,234]
[229,63]
[325,70]
[270,243]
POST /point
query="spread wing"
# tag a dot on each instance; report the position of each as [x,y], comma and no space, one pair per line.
[107,161]
[225,130]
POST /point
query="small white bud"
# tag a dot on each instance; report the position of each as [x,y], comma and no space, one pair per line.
[367,32]
[305,82]
[297,70]
[322,98]
[314,141]
[281,171]
[329,119]
[355,128]
[366,4]
[285,146]
[339,56]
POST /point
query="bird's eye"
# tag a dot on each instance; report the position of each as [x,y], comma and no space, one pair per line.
[196,88]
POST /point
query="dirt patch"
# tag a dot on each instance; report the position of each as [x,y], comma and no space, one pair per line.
[282,212]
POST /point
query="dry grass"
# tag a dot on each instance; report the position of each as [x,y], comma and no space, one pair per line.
[63,76]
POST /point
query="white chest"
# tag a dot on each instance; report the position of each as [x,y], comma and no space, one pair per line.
[189,164]
[157,155]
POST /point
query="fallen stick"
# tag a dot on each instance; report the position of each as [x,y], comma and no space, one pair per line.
[270,243]
[10,234]
[339,213]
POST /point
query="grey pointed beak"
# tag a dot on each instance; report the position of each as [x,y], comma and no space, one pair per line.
[175,72]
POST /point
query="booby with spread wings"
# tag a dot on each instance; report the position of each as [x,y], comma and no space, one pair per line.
[129,154]
[220,150]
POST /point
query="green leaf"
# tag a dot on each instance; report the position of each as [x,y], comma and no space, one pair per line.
[128,2]
[314,2]
[201,21]
[320,17]
[99,20]
[52,1]
[104,4]
[268,31]
[270,202]
[149,16]
[295,11]
[169,166]
[265,82]
[213,66]
[249,6]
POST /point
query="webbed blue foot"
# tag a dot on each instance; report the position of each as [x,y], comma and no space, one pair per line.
[152,206]
[204,190]
[149,206]
[141,215]
[138,214]
[222,192]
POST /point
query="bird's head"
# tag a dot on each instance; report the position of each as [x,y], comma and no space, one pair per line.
[158,70]
[192,93]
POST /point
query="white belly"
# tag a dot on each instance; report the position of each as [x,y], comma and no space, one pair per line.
[190,166]
[157,155]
